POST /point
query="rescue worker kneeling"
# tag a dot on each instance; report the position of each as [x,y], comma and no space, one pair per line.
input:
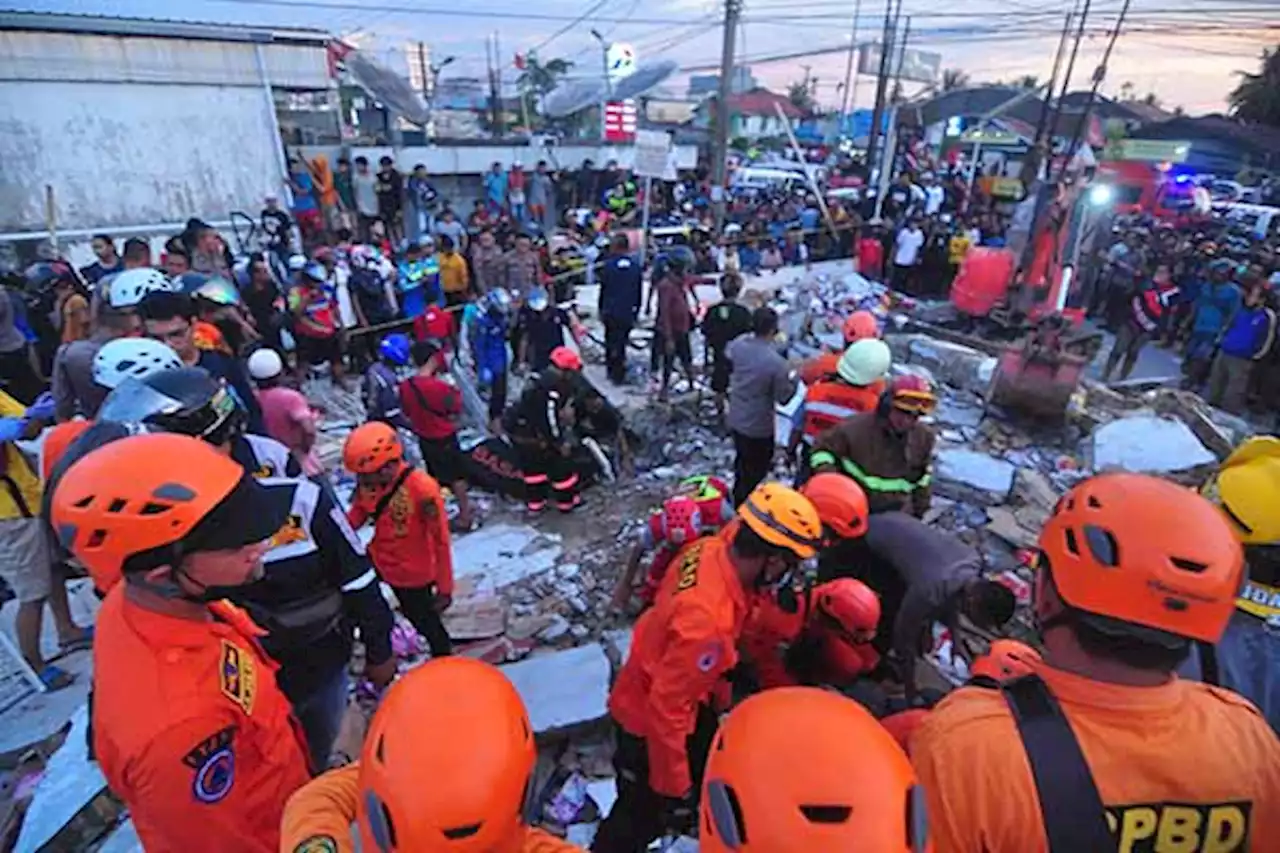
[1102,747]
[802,770]
[447,765]
[188,724]
[682,646]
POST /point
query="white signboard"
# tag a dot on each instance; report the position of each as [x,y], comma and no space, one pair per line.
[653,151]
[621,59]
[918,66]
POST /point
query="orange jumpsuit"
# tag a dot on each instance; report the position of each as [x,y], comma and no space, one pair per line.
[190,728]
[319,817]
[680,649]
[785,649]
[819,367]
[1179,766]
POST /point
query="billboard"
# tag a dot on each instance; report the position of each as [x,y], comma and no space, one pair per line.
[918,66]
[621,60]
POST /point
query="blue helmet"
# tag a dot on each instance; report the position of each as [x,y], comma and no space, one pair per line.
[395,349]
[315,271]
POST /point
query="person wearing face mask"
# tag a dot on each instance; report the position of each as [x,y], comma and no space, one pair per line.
[189,727]
[661,703]
[886,451]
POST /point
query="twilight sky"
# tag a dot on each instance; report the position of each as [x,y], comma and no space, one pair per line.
[1185,51]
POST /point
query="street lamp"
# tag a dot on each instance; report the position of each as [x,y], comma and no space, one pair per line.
[608,87]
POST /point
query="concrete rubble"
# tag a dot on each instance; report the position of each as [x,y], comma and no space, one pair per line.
[1148,444]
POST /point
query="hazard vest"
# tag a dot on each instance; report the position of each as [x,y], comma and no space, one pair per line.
[828,403]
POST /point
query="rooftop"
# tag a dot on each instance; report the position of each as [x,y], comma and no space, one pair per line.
[155,27]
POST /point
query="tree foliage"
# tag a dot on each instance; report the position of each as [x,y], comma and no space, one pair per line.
[1257,97]
[539,78]
[800,94]
[952,79]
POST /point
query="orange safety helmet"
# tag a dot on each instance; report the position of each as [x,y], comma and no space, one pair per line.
[784,518]
[855,790]
[566,359]
[56,444]
[1146,552]
[447,764]
[859,325]
[371,446]
[848,608]
[841,503]
[912,393]
[1004,660]
[135,495]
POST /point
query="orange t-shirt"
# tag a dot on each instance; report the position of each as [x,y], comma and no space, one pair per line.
[190,728]
[410,546]
[1180,767]
[320,815]
[75,318]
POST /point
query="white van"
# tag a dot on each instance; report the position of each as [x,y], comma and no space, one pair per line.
[1260,219]
[758,178]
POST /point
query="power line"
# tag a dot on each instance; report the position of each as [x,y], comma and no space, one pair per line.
[595,7]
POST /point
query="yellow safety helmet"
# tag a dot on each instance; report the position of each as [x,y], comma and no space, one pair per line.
[1247,489]
[782,516]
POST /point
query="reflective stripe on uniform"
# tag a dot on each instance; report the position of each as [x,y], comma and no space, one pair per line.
[882,484]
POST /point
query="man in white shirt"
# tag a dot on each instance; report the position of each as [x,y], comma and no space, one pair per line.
[906,255]
[933,194]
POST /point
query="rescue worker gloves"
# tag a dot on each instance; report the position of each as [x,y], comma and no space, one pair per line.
[855,790]
[783,517]
[566,359]
[1145,552]
[138,503]
[860,325]
[1005,659]
[865,362]
[913,394]
[841,503]
[370,447]
[447,763]
[1247,489]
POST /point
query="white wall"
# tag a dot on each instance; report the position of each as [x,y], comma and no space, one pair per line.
[132,154]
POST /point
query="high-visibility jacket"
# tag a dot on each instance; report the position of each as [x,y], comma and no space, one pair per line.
[190,728]
[893,470]
[681,648]
[319,818]
[829,402]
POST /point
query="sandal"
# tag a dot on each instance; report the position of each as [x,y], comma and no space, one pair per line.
[79,644]
[55,678]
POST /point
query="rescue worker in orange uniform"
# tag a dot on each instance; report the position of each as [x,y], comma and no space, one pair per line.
[858,326]
[189,727]
[887,452]
[856,387]
[681,648]
[1005,659]
[1102,746]
[447,765]
[799,634]
[801,769]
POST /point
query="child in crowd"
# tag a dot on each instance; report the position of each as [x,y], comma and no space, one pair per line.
[410,545]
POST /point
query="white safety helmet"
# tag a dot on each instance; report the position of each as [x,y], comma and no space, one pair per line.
[265,364]
[297,262]
[129,287]
[132,358]
[865,361]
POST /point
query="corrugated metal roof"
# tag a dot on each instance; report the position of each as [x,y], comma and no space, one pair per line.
[155,28]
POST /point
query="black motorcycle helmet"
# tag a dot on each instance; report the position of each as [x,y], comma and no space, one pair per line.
[43,275]
[188,401]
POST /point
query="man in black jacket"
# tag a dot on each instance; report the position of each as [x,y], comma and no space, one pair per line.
[620,284]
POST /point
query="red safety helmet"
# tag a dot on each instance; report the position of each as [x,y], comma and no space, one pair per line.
[56,443]
[1004,660]
[860,325]
[371,446]
[435,324]
[681,519]
[566,359]
[848,608]
[841,503]
[912,393]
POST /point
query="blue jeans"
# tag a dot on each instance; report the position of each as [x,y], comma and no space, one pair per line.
[1248,663]
[320,715]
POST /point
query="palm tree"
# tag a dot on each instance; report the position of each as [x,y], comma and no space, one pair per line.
[952,79]
[1257,98]
[540,78]
[1027,81]
[800,94]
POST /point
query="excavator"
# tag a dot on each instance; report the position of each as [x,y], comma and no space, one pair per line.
[1023,299]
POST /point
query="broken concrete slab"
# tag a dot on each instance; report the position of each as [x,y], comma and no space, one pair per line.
[500,554]
[476,617]
[956,413]
[1197,415]
[971,476]
[1148,444]
[1035,489]
[1004,523]
[71,782]
[564,689]
[954,364]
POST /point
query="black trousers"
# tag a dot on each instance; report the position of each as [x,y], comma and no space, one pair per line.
[753,457]
[637,817]
[616,332]
[418,604]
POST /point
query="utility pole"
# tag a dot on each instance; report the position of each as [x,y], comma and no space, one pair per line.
[720,150]
[850,97]
[494,106]
[422,69]
[882,79]
[1042,124]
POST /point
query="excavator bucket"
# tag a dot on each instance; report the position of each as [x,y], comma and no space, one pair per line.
[1036,378]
